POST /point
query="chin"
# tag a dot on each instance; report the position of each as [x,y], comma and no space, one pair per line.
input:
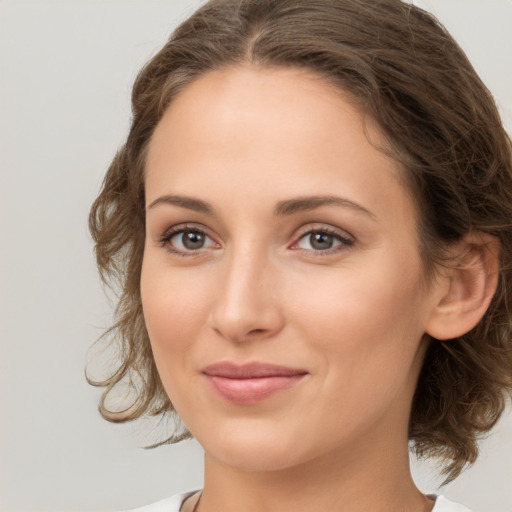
[255,458]
[252,449]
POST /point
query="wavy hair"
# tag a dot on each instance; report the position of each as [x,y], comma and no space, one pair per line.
[405,71]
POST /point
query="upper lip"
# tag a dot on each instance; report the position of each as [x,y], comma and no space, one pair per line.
[251,370]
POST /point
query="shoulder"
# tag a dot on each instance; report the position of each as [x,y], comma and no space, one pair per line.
[172,504]
[444,505]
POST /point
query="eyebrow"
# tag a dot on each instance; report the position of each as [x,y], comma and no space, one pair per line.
[185,202]
[283,208]
[303,204]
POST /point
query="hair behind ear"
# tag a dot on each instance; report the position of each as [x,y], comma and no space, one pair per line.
[467,372]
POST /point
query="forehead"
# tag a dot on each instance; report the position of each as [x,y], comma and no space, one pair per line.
[249,127]
[300,93]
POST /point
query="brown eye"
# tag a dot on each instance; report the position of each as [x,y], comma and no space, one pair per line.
[189,239]
[322,240]
[193,239]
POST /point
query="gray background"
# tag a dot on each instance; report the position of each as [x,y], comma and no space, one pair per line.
[66,71]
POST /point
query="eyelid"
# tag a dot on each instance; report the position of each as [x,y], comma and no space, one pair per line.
[172,231]
[347,239]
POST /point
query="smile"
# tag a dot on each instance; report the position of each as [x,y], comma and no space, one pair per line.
[250,383]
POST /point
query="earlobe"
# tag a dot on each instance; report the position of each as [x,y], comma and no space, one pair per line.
[467,287]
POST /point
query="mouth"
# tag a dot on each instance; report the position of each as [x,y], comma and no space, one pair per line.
[252,382]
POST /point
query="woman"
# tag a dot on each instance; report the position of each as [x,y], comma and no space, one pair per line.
[310,224]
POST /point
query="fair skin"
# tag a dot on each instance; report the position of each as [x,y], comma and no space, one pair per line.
[239,268]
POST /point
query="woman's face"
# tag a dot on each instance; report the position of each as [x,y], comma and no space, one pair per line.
[282,285]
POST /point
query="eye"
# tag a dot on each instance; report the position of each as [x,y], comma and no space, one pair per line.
[323,240]
[183,240]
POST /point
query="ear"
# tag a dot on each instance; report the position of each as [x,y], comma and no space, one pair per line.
[466,287]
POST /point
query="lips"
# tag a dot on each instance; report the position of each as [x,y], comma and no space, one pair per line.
[252,382]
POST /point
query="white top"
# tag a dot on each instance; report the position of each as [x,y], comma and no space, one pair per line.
[173,504]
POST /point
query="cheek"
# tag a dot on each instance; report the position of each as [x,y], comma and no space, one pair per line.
[367,334]
[175,311]
[173,300]
[169,316]
[365,323]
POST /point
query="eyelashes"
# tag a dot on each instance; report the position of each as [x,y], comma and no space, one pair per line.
[186,240]
[322,241]
[192,240]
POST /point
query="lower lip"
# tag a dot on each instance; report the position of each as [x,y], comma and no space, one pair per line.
[249,391]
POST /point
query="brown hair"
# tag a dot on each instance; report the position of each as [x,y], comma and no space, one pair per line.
[442,126]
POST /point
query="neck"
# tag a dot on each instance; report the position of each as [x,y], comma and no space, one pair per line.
[352,482]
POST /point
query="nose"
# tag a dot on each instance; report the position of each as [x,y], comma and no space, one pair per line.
[247,305]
